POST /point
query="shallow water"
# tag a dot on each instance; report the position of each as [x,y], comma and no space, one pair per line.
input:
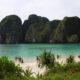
[30,51]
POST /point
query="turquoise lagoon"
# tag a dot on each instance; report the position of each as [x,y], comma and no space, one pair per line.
[30,51]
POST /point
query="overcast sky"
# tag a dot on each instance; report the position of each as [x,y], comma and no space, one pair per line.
[52,9]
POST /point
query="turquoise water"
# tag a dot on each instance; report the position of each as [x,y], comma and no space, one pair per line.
[29,51]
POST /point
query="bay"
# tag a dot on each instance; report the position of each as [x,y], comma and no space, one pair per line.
[30,51]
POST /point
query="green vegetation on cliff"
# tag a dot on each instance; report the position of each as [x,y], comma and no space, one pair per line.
[11,29]
[68,30]
[37,29]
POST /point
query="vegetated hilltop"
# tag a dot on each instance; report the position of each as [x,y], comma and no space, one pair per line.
[11,29]
[68,30]
[37,29]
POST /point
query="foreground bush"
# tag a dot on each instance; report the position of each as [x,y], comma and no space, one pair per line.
[70,59]
[8,68]
[56,71]
[46,60]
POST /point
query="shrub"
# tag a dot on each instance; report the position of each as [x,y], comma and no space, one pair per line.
[73,39]
[8,68]
[70,59]
[28,72]
[46,59]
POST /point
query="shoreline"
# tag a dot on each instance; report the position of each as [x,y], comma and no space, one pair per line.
[32,65]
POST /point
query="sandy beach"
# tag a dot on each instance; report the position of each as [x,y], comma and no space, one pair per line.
[33,66]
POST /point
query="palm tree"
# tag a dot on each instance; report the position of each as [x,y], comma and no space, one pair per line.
[70,59]
[46,59]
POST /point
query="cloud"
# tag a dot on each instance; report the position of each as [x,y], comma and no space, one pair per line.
[52,9]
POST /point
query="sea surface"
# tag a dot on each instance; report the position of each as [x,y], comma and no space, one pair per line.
[30,51]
